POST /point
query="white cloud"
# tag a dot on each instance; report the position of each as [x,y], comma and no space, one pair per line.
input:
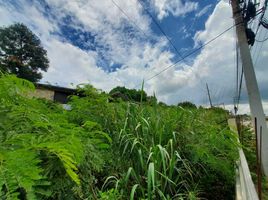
[28,14]
[203,11]
[106,21]
[244,108]
[216,66]
[185,31]
[72,65]
[175,7]
[69,64]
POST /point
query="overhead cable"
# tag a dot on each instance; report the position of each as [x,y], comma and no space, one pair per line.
[132,21]
[160,28]
[191,53]
[258,53]
[263,40]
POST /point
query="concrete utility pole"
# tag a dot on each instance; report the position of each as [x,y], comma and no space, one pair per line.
[210,102]
[255,103]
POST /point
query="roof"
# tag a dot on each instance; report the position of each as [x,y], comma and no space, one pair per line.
[56,88]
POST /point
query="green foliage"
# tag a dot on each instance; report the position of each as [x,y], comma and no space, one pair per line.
[128,94]
[111,194]
[42,155]
[21,52]
[111,150]
[187,104]
[19,173]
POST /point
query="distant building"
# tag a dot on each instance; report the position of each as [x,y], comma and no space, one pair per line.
[54,93]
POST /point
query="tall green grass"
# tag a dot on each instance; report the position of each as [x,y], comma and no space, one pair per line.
[171,151]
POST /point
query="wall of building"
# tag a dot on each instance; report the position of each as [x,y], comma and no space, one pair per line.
[43,93]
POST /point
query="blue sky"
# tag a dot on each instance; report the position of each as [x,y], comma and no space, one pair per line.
[92,41]
[181,35]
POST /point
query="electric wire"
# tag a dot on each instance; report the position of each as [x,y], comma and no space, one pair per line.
[132,21]
[241,76]
[239,81]
[240,87]
[155,21]
[258,55]
[182,58]
[191,53]
[257,48]
[242,70]
[263,40]
[160,28]
[254,49]
[237,74]
[236,70]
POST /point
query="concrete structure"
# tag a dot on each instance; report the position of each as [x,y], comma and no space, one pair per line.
[245,188]
[254,97]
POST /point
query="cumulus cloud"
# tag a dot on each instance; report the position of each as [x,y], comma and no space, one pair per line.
[69,63]
[211,66]
[68,69]
[215,64]
[175,7]
[25,12]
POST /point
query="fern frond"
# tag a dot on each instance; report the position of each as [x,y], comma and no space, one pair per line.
[19,173]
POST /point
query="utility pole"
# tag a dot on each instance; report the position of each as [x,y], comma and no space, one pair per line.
[255,103]
[210,102]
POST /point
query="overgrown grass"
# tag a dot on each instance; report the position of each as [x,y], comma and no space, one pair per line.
[120,150]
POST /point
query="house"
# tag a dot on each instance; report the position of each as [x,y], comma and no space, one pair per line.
[54,93]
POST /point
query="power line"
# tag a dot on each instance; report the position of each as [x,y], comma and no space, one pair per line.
[132,21]
[254,49]
[160,28]
[239,80]
[240,87]
[260,44]
[237,72]
[263,40]
[236,61]
[143,31]
[258,54]
[191,53]
[242,72]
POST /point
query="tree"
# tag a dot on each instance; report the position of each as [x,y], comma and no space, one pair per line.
[187,104]
[128,94]
[21,52]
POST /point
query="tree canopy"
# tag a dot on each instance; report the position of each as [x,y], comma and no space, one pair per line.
[21,52]
[128,94]
[187,104]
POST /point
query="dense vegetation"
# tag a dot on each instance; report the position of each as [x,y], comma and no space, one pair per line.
[111,150]
[125,94]
[187,104]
